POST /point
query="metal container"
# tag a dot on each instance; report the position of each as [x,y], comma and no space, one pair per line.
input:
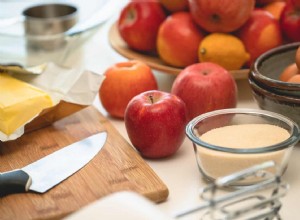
[45,25]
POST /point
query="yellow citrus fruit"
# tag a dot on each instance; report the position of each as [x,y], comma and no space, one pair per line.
[224,49]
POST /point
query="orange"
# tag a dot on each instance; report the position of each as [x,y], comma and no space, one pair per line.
[290,71]
[298,58]
[275,8]
[295,79]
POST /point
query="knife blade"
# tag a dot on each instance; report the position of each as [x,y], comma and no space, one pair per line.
[45,173]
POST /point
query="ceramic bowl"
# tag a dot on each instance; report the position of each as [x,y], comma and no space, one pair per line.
[219,159]
[268,99]
[268,67]
[269,92]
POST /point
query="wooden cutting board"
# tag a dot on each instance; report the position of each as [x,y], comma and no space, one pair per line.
[116,167]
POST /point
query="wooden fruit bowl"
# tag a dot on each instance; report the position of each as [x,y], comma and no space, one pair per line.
[119,45]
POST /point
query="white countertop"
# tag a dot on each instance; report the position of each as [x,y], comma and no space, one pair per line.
[180,172]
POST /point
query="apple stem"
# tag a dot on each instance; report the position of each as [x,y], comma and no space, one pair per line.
[216,18]
[131,14]
[151,99]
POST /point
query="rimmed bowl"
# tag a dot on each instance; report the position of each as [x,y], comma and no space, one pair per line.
[267,99]
[267,68]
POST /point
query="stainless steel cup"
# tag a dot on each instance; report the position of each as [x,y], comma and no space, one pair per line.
[46,23]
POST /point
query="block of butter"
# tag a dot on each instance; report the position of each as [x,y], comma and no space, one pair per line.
[20,102]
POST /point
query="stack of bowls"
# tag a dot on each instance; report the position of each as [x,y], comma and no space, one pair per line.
[269,92]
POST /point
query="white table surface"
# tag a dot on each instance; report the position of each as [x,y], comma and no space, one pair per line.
[180,172]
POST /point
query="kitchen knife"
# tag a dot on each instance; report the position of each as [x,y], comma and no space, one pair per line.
[47,172]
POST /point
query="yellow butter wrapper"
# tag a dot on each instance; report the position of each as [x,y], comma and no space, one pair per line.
[19,103]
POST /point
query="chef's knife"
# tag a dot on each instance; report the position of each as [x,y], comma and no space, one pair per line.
[47,172]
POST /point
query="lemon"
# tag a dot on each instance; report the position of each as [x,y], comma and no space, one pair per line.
[224,49]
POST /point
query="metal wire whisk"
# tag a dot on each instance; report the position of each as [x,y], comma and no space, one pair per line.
[257,201]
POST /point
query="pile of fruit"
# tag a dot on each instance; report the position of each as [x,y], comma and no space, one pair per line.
[232,34]
[206,39]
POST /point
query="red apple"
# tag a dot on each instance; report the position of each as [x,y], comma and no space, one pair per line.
[138,24]
[178,40]
[260,34]
[221,16]
[155,122]
[290,21]
[205,87]
[122,82]
[295,2]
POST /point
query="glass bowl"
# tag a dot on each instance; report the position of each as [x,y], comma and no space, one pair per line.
[230,140]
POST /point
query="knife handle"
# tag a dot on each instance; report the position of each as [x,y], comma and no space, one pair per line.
[16,181]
